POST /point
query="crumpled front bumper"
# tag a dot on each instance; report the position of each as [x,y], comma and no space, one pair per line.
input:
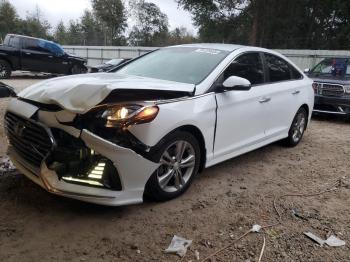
[332,105]
[133,169]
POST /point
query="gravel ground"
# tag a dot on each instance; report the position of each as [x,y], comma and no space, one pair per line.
[222,203]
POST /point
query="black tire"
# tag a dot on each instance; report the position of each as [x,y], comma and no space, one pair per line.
[78,69]
[153,189]
[297,128]
[5,69]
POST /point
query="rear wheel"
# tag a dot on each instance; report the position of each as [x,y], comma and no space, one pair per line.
[297,128]
[179,156]
[5,69]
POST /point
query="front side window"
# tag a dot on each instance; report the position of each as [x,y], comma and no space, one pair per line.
[248,66]
[31,44]
[180,64]
[278,69]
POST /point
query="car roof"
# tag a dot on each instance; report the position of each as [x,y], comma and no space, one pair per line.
[223,47]
[25,36]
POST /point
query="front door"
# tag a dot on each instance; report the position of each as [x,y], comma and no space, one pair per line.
[241,118]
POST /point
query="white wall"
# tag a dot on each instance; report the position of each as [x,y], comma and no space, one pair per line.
[98,54]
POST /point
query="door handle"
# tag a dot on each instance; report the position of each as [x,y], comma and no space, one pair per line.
[296,92]
[28,53]
[265,100]
[50,56]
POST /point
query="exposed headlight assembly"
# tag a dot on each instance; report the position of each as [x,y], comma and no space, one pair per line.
[121,116]
[347,89]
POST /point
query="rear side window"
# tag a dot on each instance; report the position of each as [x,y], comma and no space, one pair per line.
[248,66]
[14,42]
[278,69]
[295,73]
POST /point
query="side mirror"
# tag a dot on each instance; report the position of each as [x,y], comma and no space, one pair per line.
[237,83]
[6,91]
[307,70]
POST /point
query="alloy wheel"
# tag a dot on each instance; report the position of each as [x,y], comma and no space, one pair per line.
[177,165]
[2,71]
[298,127]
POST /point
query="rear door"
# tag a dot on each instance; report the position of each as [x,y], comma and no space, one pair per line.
[240,114]
[283,92]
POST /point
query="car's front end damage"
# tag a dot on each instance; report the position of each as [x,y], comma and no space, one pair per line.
[83,149]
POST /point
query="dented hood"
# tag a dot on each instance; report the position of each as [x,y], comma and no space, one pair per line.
[80,93]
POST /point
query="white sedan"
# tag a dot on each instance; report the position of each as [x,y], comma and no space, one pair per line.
[148,128]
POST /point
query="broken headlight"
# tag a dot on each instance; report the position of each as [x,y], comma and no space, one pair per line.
[347,89]
[120,116]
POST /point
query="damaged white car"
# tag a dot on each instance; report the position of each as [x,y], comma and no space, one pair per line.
[149,127]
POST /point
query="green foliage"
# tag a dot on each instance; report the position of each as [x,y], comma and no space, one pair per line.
[60,34]
[151,24]
[8,18]
[74,33]
[112,15]
[179,36]
[35,25]
[91,29]
[311,24]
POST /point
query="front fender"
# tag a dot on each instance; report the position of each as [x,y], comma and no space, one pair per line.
[199,111]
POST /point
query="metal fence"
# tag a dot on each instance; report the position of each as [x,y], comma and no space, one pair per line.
[99,54]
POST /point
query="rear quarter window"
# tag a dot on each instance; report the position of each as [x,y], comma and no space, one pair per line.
[280,70]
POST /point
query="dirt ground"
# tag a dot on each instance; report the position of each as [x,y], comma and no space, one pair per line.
[223,203]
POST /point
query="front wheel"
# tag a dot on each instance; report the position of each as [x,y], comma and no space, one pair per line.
[179,158]
[5,69]
[297,128]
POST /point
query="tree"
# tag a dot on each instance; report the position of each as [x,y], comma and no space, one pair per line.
[74,33]
[180,35]
[112,15]
[8,19]
[151,24]
[35,25]
[60,34]
[92,29]
[294,24]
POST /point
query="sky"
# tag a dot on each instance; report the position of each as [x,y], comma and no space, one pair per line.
[56,10]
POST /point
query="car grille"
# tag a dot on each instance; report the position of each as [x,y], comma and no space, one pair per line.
[332,90]
[30,140]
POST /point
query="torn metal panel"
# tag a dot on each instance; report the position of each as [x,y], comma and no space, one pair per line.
[134,170]
[57,119]
[80,93]
[21,108]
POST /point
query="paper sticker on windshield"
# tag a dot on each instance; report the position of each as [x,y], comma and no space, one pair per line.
[208,51]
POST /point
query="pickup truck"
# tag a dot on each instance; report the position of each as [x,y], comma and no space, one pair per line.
[332,86]
[37,55]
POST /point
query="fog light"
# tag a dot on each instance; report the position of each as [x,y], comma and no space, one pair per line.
[101,173]
[83,181]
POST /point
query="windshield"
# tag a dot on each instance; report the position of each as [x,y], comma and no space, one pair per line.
[337,67]
[114,61]
[179,64]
